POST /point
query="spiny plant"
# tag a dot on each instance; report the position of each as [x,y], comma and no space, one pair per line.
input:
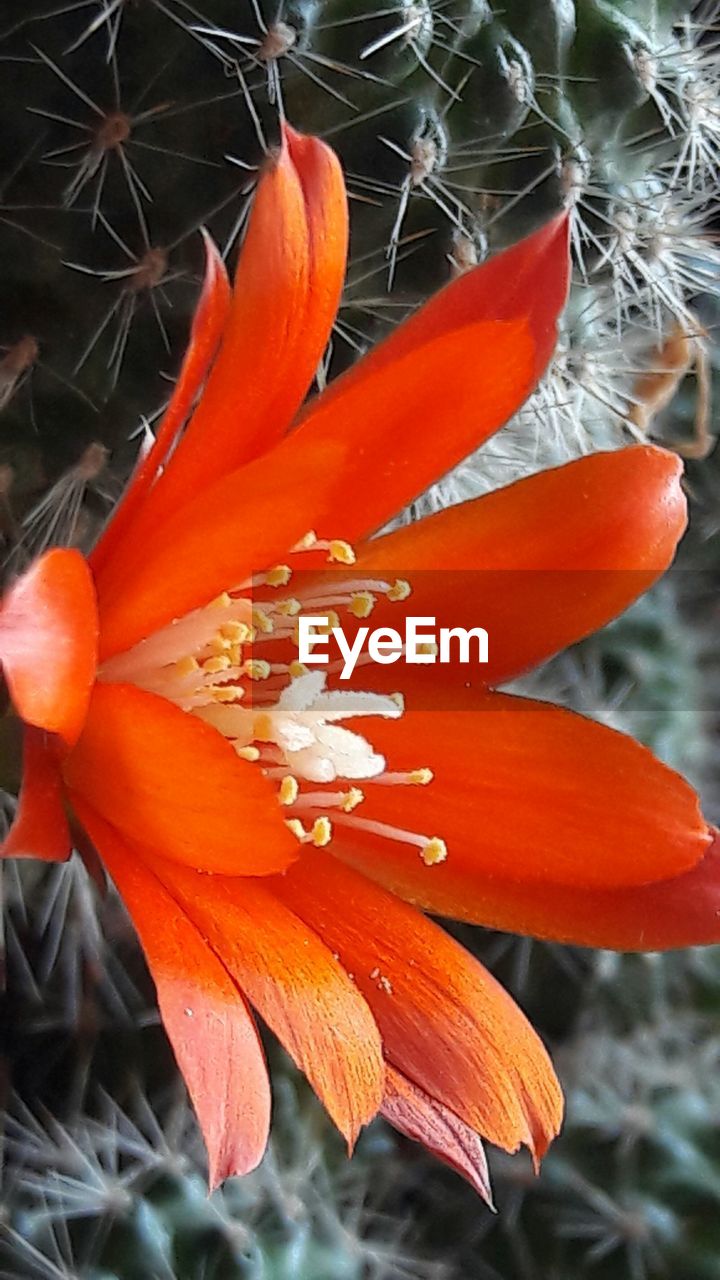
[460,125]
[128,1199]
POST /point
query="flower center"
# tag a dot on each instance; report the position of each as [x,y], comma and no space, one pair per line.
[233,664]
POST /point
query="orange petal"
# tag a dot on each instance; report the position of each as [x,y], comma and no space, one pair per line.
[48,642]
[342,477]
[408,1108]
[683,912]
[538,564]
[207,326]
[445,1023]
[296,985]
[287,291]
[366,446]
[525,792]
[40,828]
[208,1022]
[163,777]
[528,280]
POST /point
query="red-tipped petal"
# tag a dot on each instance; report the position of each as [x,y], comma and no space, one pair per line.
[341,475]
[418,1116]
[206,1017]
[296,985]
[163,777]
[683,912]
[527,792]
[207,327]
[528,280]
[40,828]
[48,642]
[539,564]
[419,404]
[445,1022]
[285,297]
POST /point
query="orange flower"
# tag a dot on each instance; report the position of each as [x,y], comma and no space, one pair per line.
[229,822]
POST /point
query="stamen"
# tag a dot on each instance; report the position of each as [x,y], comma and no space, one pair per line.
[262,621]
[288,790]
[257,668]
[400,590]
[288,608]
[279,576]
[341,552]
[415,778]
[432,849]
[362,604]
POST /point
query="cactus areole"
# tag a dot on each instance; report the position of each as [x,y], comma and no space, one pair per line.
[274,856]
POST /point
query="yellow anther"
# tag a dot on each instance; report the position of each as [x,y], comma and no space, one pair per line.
[297,668]
[430,647]
[400,590]
[235,632]
[433,852]
[288,608]
[257,668]
[227,693]
[246,753]
[289,790]
[321,832]
[362,604]
[399,700]
[262,621]
[222,601]
[341,552]
[296,827]
[219,644]
[263,728]
[213,666]
[420,777]
[279,576]
[306,542]
[186,666]
[352,799]
[234,653]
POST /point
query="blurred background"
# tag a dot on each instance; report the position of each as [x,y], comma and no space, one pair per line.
[461,124]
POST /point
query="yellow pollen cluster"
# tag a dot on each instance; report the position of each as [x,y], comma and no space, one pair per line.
[420,777]
[362,604]
[213,666]
[434,851]
[288,608]
[257,669]
[351,799]
[320,834]
[400,590]
[341,552]
[262,622]
[289,790]
[279,576]
[187,666]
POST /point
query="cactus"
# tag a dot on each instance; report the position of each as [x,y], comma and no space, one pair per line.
[127,1200]
[461,126]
